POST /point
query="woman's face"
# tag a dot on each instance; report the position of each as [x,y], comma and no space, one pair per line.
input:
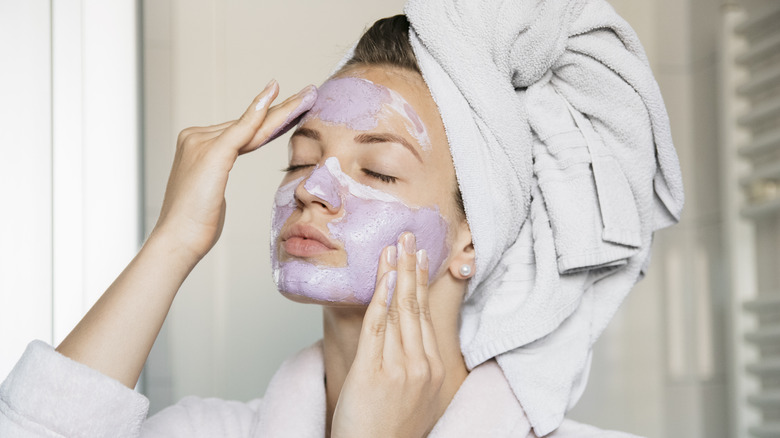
[369,161]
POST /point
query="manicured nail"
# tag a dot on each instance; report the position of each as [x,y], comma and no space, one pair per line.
[262,102]
[267,97]
[409,244]
[422,259]
[392,256]
[392,276]
[309,94]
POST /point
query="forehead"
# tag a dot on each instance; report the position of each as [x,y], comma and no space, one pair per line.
[360,98]
[354,102]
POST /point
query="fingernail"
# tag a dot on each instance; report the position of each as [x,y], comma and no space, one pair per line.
[266,98]
[392,256]
[309,94]
[262,102]
[409,244]
[422,259]
[391,279]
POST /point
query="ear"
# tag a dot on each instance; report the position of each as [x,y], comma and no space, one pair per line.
[462,253]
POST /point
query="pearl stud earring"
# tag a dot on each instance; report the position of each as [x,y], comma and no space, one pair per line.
[465,270]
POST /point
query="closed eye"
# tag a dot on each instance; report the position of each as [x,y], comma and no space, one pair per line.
[379,176]
[296,167]
[384,178]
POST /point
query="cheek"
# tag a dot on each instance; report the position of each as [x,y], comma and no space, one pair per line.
[370,225]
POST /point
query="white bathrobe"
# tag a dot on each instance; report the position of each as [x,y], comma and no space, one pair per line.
[49,395]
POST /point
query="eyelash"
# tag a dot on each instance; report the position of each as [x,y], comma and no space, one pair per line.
[295,168]
[384,178]
[379,176]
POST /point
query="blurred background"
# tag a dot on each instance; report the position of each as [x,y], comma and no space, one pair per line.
[94,94]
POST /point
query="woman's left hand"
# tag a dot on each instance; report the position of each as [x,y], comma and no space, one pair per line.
[392,389]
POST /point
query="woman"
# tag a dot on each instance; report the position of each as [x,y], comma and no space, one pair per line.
[369,222]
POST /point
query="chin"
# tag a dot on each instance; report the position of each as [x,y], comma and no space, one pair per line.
[350,301]
[306,282]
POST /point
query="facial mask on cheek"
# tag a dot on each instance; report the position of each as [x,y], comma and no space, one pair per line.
[372,220]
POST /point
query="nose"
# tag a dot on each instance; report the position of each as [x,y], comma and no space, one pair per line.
[322,188]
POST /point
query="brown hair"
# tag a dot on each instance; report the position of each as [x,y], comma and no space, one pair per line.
[386,43]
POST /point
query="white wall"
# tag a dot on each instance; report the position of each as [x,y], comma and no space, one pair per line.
[69,176]
[25,178]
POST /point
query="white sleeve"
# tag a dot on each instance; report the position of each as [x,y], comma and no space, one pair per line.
[50,395]
[194,417]
[573,429]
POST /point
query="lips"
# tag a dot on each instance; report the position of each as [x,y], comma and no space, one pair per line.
[305,241]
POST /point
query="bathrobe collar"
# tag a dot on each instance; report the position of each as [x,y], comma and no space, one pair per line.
[483,406]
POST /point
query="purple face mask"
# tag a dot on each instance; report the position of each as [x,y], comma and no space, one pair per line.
[371,220]
[360,104]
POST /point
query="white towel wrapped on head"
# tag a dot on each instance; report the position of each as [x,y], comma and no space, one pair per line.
[563,153]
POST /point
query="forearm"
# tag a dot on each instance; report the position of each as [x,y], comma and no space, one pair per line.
[116,335]
[118,332]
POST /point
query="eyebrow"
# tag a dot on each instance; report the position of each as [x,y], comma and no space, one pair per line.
[386,137]
[306,132]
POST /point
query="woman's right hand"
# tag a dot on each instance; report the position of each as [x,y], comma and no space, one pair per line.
[394,386]
[118,332]
[193,210]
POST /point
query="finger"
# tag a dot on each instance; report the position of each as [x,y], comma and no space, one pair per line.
[372,334]
[219,127]
[408,306]
[241,132]
[393,349]
[429,343]
[196,130]
[387,262]
[282,117]
[204,136]
[209,132]
[202,133]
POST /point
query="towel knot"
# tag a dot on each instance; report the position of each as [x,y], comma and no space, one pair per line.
[533,46]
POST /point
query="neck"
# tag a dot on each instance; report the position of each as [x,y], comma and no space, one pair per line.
[341,332]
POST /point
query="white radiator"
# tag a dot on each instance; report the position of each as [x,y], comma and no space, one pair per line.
[750,140]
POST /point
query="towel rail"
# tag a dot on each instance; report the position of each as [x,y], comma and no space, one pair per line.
[766,400]
[767,430]
[757,211]
[771,171]
[767,303]
[751,172]
[764,336]
[761,145]
[761,113]
[757,22]
[765,368]
[768,77]
[764,48]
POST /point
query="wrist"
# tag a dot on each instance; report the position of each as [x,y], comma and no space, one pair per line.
[170,248]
